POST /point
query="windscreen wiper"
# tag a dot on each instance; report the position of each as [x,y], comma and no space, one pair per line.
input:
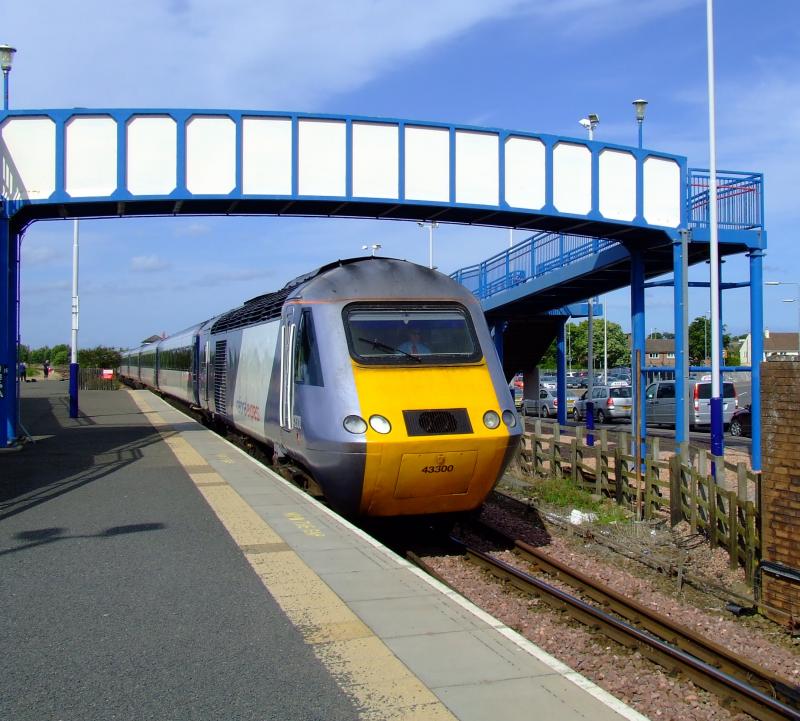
[391,349]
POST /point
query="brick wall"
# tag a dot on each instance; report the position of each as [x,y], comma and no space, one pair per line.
[780,491]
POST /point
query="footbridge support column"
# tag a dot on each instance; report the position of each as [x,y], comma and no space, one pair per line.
[561,372]
[638,336]
[9,243]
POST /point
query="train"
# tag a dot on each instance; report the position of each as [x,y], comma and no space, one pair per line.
[377,379]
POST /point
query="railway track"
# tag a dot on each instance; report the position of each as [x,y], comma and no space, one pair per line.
[736,681]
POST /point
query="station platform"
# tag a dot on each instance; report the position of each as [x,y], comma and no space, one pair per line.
[152,570]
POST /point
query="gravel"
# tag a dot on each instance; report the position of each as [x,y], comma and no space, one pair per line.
[624,673]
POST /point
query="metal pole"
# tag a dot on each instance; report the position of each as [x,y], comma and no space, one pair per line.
[430,245]
[717,440]
[605,343]
[589,390]
[638,431]
[756,352]
[73,366]
[641,123]
[5,89]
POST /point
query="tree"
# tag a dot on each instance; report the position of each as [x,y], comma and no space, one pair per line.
[578,344]
[99,357]
[700,340]
[59,355]
[618,351]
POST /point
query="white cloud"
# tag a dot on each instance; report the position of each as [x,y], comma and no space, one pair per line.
[148,264]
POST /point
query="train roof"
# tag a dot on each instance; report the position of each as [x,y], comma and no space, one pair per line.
[371,277]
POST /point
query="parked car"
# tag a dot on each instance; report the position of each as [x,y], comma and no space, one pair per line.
[516,386]
[610,403]
[545,406]
[549,382]
[741,422]
[660,399]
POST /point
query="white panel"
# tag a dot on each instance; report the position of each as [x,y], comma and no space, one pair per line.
[90,156]
[572,178]
[477,168]
[152,155]
[525,179]
[322,157]
[253,375]
[662,192]
[267,156]
[427,163]
[210,155]
[375,160]
[28,158]
[617,179]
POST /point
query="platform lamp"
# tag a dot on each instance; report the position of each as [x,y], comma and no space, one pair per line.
[374,247]
[640,106]
[432,225]
[6,60]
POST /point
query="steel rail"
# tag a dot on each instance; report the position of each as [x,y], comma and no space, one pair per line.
[747,698]
[665,628]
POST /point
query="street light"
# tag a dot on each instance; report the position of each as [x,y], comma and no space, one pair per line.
[640,106]
[791,300]
[590,123]
[373,248]
[433,224]
[6,60]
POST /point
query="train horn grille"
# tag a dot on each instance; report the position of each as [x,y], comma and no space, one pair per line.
[447,421]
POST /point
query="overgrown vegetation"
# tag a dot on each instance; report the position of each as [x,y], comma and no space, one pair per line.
[563,496]
[59,355]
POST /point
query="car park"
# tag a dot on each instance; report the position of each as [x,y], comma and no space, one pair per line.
[741,422]
[610,403]
[660,400]
[516,386]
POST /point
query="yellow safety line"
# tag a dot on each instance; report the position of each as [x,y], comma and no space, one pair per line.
[381,687]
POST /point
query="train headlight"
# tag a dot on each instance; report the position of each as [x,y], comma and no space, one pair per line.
[509,418]
[355,424]
[491,419]
[380,424]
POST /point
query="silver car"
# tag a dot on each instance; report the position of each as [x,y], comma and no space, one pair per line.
[610,403]
[661,403]
[544,406]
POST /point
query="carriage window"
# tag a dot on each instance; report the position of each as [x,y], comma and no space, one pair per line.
[411,334]
[307,368]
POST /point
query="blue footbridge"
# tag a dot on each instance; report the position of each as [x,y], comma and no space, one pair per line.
[602,216]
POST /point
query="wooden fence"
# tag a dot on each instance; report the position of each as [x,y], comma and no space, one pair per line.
[724,510]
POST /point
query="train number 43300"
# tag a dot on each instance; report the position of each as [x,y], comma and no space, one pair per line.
[439,469]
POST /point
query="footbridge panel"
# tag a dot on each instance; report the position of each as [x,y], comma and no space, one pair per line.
[104,163]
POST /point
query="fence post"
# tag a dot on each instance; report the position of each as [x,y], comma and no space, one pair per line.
[696,475]
[733,530]
[555,464]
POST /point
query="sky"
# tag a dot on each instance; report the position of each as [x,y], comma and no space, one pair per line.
[530,65]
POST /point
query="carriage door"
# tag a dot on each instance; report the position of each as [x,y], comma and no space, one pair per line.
[288,338]
[205,378]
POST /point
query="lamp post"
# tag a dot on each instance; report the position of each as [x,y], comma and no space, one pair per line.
[717,438]
[373,248]
[640,105]
[590,122]
[433,224]
[705,337]
[791,300]
[6,60]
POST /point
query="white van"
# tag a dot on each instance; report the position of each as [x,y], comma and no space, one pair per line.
[660,400]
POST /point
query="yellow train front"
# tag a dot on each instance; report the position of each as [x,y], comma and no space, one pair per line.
[400,405]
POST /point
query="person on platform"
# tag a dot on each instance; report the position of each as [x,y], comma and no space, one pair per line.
[23,372]
[46,368]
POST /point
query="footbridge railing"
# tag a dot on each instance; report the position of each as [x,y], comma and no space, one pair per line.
[740,199]
[538,255]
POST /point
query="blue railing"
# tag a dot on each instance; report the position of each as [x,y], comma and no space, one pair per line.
[534,257]
[740,200]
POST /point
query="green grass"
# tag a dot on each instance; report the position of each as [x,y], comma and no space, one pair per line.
[564,495]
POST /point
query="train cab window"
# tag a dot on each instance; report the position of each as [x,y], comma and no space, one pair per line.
[424,334]
[307,368]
